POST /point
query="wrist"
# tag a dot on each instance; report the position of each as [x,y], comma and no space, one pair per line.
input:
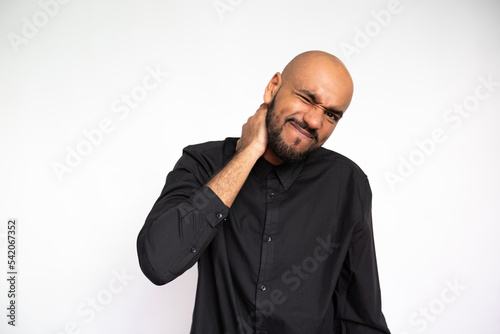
[252,152]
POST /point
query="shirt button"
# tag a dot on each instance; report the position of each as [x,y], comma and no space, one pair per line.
[193,250]
[272,195]
[269,239]
[218,215]
[263,287]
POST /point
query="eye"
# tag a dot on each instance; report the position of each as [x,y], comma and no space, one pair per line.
[305,99]
[332,116]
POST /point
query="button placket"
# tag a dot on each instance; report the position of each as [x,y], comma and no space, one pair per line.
[264,285]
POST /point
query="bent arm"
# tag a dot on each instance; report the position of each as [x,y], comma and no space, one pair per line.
[187,216]
[181,224]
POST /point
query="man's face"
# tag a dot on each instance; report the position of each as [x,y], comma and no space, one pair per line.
[303,113]
[284,150]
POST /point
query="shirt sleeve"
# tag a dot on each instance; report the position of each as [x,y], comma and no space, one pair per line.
[359,305]
[182,222]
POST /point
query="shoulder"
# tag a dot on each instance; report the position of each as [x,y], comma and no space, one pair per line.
[212,148]
[209,156]
[344,172]
[336,162]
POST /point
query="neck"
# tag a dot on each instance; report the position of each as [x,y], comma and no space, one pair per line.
[270,156]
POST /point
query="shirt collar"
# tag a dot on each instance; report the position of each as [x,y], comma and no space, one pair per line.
[262,168]
[287,172]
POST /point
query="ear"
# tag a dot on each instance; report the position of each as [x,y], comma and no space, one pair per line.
[272,87]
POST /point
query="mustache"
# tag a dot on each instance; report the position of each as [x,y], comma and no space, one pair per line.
[304,126]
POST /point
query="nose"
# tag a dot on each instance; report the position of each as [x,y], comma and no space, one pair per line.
[314,117]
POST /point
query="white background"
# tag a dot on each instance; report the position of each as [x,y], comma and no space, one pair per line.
[63,74]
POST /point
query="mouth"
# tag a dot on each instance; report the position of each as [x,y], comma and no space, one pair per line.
[303,133]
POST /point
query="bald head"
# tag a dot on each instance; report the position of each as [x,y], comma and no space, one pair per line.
[320,64]
[302,59]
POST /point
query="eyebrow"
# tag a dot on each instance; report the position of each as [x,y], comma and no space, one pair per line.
[314,99]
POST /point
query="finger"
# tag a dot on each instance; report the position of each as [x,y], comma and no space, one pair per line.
[262,111]
[263,106]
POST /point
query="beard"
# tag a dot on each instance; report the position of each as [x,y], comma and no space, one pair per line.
[287,153]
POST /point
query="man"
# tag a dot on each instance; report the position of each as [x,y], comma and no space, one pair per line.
[280,227]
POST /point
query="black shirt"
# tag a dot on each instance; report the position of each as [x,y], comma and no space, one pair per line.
[293,254]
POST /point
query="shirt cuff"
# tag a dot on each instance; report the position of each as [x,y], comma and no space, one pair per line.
[207,203]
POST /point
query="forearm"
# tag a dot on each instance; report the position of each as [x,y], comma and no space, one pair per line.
[228,182]
[250,147]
